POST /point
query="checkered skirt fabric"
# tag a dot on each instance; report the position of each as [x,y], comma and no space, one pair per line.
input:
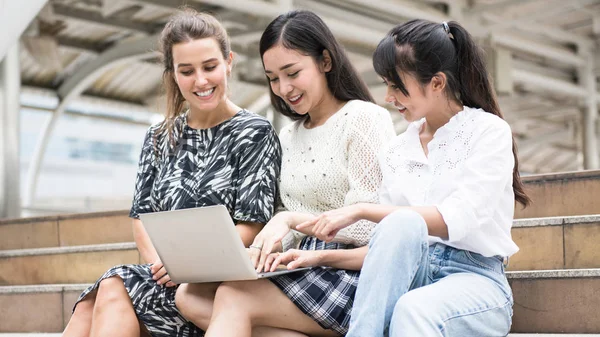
[324,294]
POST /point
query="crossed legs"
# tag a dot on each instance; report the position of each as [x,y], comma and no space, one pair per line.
[107,312]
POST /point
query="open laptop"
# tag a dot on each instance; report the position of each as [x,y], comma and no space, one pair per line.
[201,245]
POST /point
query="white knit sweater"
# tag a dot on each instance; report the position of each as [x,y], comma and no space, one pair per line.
[334,165]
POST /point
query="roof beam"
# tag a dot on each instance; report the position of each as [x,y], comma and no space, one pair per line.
[495,7]
[71,12]
[79,45]
[403,9]
[549,9]
[346,12]
[172,4]
[254,7]
[344,30]
[538,49]
[547,83]
[554,34]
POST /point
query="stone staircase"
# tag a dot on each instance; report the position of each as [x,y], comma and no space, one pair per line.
[555,276]
[47,261]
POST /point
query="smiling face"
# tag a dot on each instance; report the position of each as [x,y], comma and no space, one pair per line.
[297,78]
[417,104]
[201,74]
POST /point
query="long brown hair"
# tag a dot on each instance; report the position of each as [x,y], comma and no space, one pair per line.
[187,25]
[423,48]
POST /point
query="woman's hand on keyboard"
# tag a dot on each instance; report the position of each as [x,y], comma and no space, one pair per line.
[294,258]
[268,241]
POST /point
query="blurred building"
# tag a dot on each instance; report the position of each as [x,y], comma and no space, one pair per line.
[81,82]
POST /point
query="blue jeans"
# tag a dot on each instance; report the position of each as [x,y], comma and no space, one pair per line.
[408,288]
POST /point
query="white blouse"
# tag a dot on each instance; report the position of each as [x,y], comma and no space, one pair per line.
[467,175]
[334,165]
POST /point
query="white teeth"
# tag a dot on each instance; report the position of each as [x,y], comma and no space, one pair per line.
[295,98]
[204,93]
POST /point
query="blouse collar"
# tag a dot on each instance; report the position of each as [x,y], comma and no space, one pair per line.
[456,122]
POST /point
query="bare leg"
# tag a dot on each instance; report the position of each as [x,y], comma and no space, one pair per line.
[80,323]
[241,306]
[266,331]
[195,303]
[113,312]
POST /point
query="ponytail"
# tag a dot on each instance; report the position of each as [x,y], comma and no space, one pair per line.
[475,90]
[422,49]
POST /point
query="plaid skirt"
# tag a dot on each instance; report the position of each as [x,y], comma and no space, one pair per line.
[324,294]
[154,305]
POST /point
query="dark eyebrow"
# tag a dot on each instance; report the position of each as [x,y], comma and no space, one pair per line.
[282,68]
[203,62]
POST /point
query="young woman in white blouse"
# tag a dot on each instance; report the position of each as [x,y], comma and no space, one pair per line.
[435,262]
[329,161]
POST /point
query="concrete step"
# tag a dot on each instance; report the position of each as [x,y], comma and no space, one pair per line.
[562,194]
[550,302]
[545,243]
[556,301]
[556,243]
[76,264]
[65,230]
[44,308]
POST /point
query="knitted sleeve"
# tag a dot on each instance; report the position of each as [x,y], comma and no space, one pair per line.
[367,132]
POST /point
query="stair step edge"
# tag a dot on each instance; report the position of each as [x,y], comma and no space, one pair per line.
[555,273]
[67,249]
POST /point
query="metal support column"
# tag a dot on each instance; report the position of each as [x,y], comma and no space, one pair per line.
[591,156]
[10,87]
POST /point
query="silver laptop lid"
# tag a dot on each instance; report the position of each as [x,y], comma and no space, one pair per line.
[199,245]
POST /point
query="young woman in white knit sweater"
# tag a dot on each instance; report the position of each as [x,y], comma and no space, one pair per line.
[450,183]
[329,161]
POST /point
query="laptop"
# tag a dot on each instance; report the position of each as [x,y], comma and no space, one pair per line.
[201,245]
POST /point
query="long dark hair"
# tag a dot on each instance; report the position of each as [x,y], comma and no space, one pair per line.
[422,49]
[305,32]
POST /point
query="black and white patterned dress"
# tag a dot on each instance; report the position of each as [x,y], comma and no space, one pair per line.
[235,164]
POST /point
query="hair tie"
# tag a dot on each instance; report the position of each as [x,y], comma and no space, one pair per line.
[447,29]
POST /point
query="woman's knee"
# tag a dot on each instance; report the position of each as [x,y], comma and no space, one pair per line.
[195,302]
[411,306]
[111,291]
[85,307]
[189,298]
[227,290]
[413,313]
[401,226]
[181,298]
[233,294]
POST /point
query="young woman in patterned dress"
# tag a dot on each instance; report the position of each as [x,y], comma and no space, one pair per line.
[450,183]
[211,153]
[329,161]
